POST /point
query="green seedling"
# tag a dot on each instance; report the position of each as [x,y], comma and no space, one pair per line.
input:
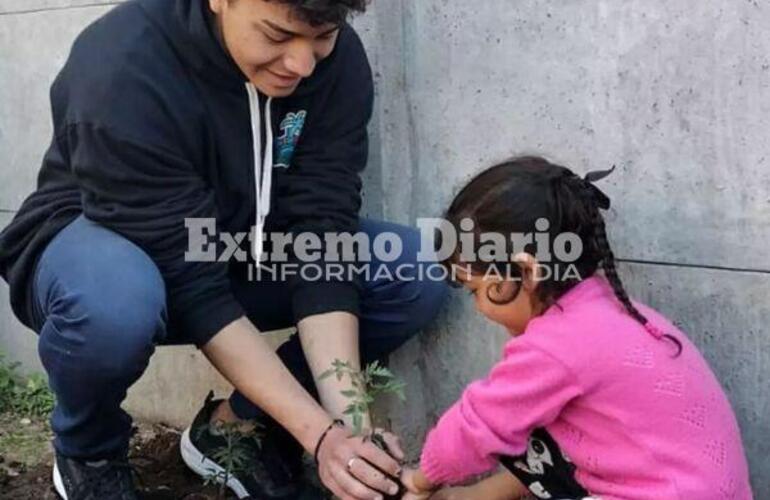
[235,457]
[368,384]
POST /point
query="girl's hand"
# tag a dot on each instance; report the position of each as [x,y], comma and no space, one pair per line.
[416,496]
[415,483]
[346,465]
[501,486]
[459,493]
[413,492]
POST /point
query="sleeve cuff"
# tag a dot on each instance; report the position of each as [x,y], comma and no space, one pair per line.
[324,297]
[435,469]
[202,322]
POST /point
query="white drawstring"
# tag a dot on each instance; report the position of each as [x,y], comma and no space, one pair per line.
[263,168]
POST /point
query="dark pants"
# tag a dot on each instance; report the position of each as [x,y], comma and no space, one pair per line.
[101,310]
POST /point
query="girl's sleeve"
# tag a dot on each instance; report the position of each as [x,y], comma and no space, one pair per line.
[495,416]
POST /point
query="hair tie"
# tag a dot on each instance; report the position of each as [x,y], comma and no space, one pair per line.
[601,199]
[654,330]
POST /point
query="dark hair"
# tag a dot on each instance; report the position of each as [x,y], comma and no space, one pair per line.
[318,12]
[510,198]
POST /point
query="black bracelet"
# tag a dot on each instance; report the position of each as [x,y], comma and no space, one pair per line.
[336,423]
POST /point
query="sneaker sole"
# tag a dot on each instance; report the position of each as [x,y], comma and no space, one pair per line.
[206,468]
[58,484]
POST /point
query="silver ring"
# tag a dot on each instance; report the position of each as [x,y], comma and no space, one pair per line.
[350,463]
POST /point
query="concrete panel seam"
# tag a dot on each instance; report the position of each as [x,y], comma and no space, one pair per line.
[695,266]
[68,7]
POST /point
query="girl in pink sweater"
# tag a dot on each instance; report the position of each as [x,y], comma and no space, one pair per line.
[595,395]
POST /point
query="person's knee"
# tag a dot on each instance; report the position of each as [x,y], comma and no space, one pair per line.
[418,290]
[426,289]
[110,320]
[112,346]
[128,325]
[428,297]
[397,313]
[436,293]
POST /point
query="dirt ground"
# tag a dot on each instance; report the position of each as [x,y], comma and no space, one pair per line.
[26,458]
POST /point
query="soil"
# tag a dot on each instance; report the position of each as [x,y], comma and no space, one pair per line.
[26,459]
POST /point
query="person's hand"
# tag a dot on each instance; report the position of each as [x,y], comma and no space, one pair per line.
[416,496]
[349,465]
[414,483]
[458,493]
[413,492]
[392,443]
[412,479]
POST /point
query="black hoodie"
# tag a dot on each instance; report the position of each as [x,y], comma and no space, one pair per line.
[154,123]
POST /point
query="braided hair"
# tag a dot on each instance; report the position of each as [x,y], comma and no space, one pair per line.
[510,197]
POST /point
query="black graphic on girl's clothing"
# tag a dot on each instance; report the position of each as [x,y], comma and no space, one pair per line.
[545,470]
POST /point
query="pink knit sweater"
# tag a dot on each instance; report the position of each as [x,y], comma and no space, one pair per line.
[637,422]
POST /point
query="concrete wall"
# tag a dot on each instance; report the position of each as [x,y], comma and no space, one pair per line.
[35,37]
[677,94]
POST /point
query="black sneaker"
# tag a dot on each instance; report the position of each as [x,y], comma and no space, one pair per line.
[267,474]
[93,480]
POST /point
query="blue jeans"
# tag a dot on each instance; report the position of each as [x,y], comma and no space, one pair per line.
[100,310]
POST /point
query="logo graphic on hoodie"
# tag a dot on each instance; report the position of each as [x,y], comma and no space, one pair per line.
[291,129]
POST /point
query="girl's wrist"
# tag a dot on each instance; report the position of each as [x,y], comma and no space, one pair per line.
[422,482]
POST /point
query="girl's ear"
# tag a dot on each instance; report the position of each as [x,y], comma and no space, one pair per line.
[502,291]
[530,271]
